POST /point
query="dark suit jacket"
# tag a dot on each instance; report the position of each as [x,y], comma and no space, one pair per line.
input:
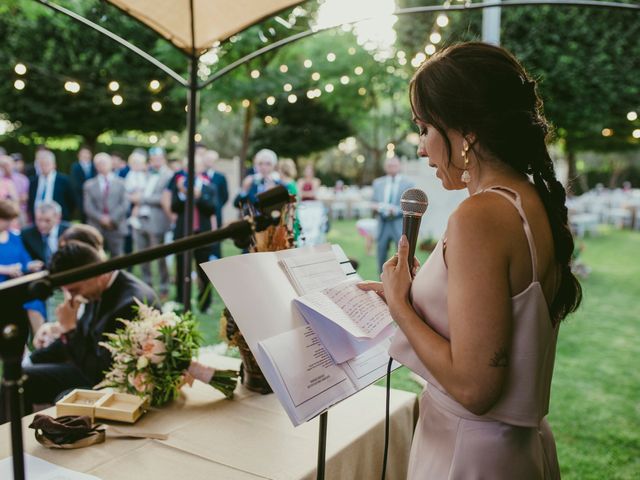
[80,346]
[220,182]
[206,206]
[62,193]
[33,242]
[78,177]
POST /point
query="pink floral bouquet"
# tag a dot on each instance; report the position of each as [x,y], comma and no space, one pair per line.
[153,357]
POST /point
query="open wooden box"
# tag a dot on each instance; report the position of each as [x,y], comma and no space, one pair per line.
[79,402]
[120,407]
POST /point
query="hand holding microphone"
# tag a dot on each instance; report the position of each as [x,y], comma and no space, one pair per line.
[414,203]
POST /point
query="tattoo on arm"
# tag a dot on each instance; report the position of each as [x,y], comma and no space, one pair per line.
[500,359]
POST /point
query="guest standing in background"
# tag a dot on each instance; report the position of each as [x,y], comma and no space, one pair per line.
[205,197]
[387,192]
[15,261]
[135,183]
[153,222]
[81,171]
[288,173]
[106,204]
[309,184]
[135,176]
[21,183]
[264,179]
[219,181]
[50,185]
[120,165]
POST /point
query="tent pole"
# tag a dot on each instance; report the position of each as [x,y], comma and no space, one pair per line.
[192,105]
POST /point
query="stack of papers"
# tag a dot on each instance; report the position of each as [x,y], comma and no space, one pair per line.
[317,338]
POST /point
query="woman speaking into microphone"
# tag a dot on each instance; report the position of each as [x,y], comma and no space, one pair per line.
[480,320]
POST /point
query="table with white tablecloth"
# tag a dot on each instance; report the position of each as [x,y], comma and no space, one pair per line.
[249,437]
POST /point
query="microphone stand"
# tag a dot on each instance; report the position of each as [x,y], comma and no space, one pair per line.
[14,293]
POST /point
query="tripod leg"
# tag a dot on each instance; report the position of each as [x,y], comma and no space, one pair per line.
[12,340]
[13,392]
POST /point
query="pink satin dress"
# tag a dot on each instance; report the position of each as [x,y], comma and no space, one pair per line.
[513,440]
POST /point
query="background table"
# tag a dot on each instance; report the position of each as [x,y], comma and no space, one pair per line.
[249,437]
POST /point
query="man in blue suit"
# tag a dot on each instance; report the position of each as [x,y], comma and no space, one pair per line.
[50,185]
[81,171]
[219,181]
[387,192]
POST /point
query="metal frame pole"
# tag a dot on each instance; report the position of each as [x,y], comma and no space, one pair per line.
[192,106]
[491,25]
[190,203]
[322,444]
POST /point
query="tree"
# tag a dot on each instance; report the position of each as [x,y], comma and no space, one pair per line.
[56,50]
[303,127]
[586,60]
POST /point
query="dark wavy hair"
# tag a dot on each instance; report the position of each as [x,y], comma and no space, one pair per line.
[477,88]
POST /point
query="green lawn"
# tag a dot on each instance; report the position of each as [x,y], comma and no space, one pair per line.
[595,401]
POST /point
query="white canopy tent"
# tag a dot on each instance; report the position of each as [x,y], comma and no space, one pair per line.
[195,25]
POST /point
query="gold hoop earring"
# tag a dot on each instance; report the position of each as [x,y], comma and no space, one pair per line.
[466,176]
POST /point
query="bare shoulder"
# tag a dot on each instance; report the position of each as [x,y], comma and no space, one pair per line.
[484,215]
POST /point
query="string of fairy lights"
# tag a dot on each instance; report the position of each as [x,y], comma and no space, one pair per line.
[113,87]
[73,87]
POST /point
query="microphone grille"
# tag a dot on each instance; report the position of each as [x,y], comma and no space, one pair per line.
[414,202]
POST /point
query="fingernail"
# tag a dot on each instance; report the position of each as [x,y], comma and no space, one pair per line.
[403,241]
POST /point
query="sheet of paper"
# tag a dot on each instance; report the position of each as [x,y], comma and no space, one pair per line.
[38,469]
[313,272]
[362,314]
[369,366]
[303,363]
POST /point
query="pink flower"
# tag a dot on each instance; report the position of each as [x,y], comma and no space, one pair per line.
[154,350]
[139,381]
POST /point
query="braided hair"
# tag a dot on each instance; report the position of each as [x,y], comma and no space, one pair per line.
[482,89]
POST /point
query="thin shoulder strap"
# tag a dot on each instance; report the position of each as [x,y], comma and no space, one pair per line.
[516,202]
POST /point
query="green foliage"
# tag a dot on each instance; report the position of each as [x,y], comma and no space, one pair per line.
[303,127]
[372,103]
[586,59]
[56,49]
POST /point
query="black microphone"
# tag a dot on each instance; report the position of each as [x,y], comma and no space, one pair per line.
[272,199]
[414,203]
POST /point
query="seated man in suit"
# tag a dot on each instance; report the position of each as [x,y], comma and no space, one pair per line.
[41,239]
[76,360]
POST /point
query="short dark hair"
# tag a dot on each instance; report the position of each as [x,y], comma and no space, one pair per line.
[8,210]
[74,254]
[83,233]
